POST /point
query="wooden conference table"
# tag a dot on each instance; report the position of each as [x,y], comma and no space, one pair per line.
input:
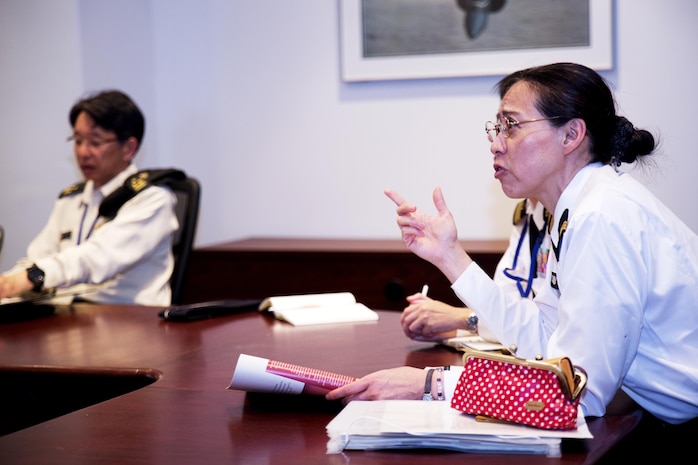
[174,407]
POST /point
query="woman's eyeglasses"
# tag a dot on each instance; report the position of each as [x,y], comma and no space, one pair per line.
[504,125]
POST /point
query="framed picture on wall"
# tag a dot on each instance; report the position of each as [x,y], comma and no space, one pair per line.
[415,39]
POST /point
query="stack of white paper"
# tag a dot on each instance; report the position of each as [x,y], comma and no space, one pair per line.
[410,424]
[55,296]
[472,341]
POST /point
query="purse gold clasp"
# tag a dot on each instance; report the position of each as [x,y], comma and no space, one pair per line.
[572,379]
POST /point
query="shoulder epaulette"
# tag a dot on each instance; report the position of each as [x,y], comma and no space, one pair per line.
[72,190]
[133,185]
[519,212]
[561,228]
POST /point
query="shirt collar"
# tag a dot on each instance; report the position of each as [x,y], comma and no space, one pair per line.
[570,196]
[536,213]
[113,184]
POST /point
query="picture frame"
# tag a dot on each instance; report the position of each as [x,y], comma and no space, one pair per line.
[598,54]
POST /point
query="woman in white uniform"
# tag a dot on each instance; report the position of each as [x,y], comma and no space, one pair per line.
[621,298]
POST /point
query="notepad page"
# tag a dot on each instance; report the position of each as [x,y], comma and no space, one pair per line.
[327,314]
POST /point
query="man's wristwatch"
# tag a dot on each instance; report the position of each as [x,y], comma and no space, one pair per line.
[36,276]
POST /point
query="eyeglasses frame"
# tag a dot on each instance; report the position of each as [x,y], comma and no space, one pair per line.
[91,143]
[498,128]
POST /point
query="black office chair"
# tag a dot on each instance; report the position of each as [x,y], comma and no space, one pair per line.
[188,194]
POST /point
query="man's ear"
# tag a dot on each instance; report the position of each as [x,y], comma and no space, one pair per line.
[574,135]
[130,147]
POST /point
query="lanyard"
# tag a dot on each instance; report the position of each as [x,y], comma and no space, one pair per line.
[92,227]
[534,262]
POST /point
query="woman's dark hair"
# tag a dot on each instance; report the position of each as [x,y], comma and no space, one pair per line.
[570,90]
[112,110]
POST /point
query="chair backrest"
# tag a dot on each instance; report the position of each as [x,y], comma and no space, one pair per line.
[188,192]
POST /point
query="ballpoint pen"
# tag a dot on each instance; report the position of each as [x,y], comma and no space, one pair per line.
[425,289]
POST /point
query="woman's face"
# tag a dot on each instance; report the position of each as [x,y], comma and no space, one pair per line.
[528,158]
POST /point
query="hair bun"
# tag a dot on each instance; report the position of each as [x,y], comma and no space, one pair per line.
[622,138]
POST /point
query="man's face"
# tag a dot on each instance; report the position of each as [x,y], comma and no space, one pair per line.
[98,152]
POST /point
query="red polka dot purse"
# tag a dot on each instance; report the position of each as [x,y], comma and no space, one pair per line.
[502,386]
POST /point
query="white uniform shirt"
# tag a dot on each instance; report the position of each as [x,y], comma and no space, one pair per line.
[514,268]
[621,297]
[134,249]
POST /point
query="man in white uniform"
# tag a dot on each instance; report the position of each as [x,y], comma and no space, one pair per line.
[131,252]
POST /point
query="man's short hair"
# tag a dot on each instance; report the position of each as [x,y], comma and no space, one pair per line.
[112,110]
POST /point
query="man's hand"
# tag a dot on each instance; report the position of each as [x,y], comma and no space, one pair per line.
[12,285]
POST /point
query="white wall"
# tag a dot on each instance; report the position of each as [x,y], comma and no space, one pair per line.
[246,95]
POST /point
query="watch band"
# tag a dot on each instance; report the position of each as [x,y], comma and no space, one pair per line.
[36,276]
[427,385]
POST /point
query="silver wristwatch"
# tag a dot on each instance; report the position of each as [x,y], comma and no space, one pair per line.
[471,323]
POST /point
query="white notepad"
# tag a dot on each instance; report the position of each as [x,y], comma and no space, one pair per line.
[318,309]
